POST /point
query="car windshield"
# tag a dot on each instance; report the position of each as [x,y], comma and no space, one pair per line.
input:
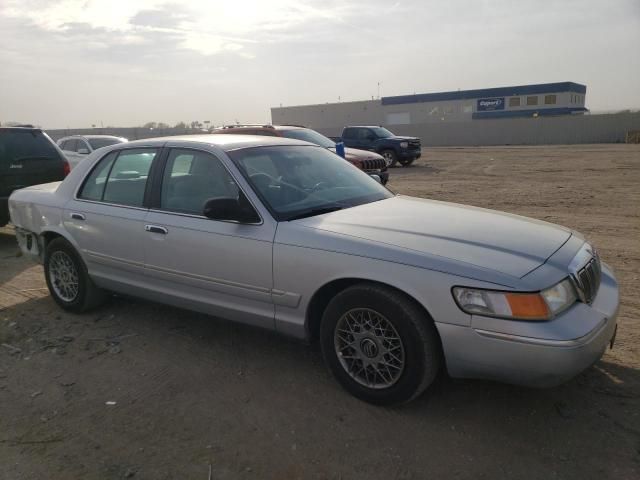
[382,132]
[309,136]
[103,142]
[302,181]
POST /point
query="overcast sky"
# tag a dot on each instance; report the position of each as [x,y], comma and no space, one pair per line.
[74,63]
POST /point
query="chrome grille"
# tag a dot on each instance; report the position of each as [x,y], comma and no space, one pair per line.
[373,164]
[588,279]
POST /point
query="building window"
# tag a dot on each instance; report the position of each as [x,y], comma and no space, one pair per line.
[514,102]
[434,111]
[532,100]
[549,99]
[467,108]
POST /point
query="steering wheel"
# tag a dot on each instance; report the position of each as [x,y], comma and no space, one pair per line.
[319,186]
[262,180]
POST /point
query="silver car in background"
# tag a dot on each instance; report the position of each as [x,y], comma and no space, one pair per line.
[288,236]
[77,147]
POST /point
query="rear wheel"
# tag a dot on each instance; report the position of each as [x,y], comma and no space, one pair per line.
[68,280]
[390,158]
[379,344]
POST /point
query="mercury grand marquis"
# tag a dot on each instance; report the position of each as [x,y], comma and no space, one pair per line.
[285,235]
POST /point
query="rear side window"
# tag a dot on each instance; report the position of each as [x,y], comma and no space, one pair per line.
[18,145]
[71,145]
[120,177]
[94,186]
[349,133]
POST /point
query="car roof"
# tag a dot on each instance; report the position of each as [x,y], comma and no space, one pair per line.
[362,126]
[21,129]
[225,142]
[261,127]
[90,136]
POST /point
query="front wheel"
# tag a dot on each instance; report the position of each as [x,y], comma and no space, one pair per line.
[390,158]
[379,344]
[67,278]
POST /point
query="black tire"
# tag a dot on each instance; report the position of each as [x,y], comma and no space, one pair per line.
[88,296]
[390,157]
[422,351]
[407,161]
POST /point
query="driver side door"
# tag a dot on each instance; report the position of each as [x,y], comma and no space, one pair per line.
[223,268]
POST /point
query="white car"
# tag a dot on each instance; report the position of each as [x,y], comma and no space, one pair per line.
[288,236]
[77,147]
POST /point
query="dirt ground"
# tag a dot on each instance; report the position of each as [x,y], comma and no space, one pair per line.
[196,398]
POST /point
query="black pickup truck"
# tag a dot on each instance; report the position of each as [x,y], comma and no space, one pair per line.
[394,149]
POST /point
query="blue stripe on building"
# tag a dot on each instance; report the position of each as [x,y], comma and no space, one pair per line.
[527,113]
[487,92]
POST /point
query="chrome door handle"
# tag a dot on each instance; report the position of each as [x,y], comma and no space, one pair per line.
[156,229]
[78,216]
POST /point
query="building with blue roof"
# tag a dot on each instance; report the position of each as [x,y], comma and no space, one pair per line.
[520,101]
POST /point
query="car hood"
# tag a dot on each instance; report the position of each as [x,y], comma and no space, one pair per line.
[398,137]
[438,234]
[354,154]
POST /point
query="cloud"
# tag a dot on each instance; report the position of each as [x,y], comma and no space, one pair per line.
[206,27]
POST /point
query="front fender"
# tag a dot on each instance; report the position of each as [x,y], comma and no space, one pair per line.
[301,272]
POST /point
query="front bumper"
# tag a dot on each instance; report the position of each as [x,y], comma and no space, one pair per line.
[406,154]
[384,176]
[543,354]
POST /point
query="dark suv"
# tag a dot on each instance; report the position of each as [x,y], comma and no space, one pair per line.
[393,148]
[369,162]
[27,157]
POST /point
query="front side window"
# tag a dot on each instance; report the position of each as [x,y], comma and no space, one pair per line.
[532,100]
[365,134]
[381,132]
[299,181]
[191,177]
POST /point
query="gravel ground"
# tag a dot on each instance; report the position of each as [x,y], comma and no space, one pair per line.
[140,390]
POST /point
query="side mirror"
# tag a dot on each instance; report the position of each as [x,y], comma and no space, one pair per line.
[83,151]
[229,208]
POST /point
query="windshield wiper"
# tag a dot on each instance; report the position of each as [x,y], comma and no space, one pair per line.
[314,211]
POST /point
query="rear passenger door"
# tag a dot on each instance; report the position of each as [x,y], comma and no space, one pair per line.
[106,217]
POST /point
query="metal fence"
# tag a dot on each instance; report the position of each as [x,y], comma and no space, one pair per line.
[569,129]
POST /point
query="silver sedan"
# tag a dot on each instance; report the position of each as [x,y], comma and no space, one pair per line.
[287,236]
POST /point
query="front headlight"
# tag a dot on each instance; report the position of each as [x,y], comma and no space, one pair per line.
[404,144]
[542,305]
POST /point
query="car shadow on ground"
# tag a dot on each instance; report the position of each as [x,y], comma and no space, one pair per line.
[12,263]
